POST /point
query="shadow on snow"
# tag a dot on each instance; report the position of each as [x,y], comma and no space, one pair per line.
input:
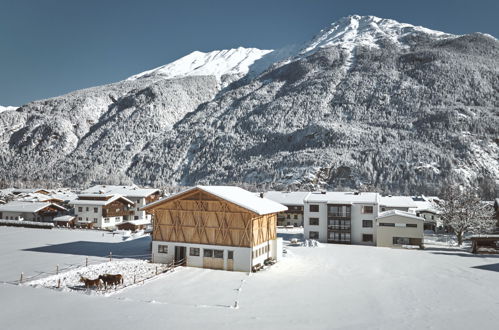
[138,248]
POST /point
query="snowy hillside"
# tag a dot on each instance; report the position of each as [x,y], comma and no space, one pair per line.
[367,101]
[8,108]
[216,63]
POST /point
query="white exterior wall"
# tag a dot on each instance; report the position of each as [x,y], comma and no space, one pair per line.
[356,223]
[243,260]
[322,215]
[386,234]
[90,215]
[18,215]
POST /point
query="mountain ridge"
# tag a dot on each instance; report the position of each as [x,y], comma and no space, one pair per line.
[293,117]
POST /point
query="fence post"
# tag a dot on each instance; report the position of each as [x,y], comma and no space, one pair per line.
[58,283]
[134,279]
[110,256]
[86,262]
[22,277]
[57,269]
[156,270]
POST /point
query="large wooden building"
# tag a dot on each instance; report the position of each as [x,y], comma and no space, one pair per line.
[218,227]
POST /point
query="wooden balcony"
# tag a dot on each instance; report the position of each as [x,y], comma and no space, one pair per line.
[115,213]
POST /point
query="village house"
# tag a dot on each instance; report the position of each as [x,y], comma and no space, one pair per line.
[103,211]
[341,217]
[401,203]
[139,196]
[218,227]
[294,201]
[397,228]
[31,211]
[427,208]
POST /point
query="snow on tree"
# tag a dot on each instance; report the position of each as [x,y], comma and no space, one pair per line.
[464,212]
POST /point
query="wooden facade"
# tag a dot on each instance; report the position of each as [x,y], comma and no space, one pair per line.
[201,218]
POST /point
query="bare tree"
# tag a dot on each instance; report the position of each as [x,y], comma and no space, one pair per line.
[464,212]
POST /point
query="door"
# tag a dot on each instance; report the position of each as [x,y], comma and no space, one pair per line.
[213,259]
[180,255]
[230,260]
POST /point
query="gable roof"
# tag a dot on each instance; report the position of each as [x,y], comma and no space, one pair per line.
[235,195]
[404,214]
[397,201]
[128,191]
[99,202]
[29,207]
[295,198]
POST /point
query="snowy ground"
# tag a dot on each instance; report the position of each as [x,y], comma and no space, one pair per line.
[334,286]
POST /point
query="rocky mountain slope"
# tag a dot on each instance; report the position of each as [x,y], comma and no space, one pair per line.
[368,101]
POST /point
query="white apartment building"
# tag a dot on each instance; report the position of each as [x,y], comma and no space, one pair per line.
[341,217]
[139,196]
[101,210]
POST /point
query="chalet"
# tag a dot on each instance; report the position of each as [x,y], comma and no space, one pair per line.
[294,201]
[101,210]
[218,227]
[31,211]
[397,228]
[139,196]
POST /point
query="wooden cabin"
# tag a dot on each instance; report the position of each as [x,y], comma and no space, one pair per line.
[218,227]
[103,211]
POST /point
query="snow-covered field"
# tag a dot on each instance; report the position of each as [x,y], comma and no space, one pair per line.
[334,286]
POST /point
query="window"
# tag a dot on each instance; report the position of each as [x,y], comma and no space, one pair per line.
[118,219]
[313,221]
[194,252]
[136,217]
[313,235]
[412,225]
[162,248]
[86,209]
[367,238]
[295,216]
[80,218]
[95,220]
[207,253]
[386,224]
[367,209]
[106,220]
[314,208]
[80,209]
[288,216]
[230,255]
[367,223]
[401,240]
[96,209]
[218,254]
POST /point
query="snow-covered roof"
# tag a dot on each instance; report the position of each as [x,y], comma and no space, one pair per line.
[235,195]
[98,202]
[397,201]
[128,191]
[295,198]
[65,218]
[138,222]
[342,197]
[29,207]
[391,213]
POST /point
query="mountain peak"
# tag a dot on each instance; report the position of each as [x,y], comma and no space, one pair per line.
[354,30]
[215,63]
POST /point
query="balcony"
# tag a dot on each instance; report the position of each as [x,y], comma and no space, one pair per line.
[116,213]
[339,227]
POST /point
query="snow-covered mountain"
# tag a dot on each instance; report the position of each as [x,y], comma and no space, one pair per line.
[7,108]
[367,101]
[216,63]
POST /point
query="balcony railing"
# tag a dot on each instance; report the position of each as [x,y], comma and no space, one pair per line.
[339,227]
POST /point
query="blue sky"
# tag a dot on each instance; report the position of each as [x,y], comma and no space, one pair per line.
[51,47]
